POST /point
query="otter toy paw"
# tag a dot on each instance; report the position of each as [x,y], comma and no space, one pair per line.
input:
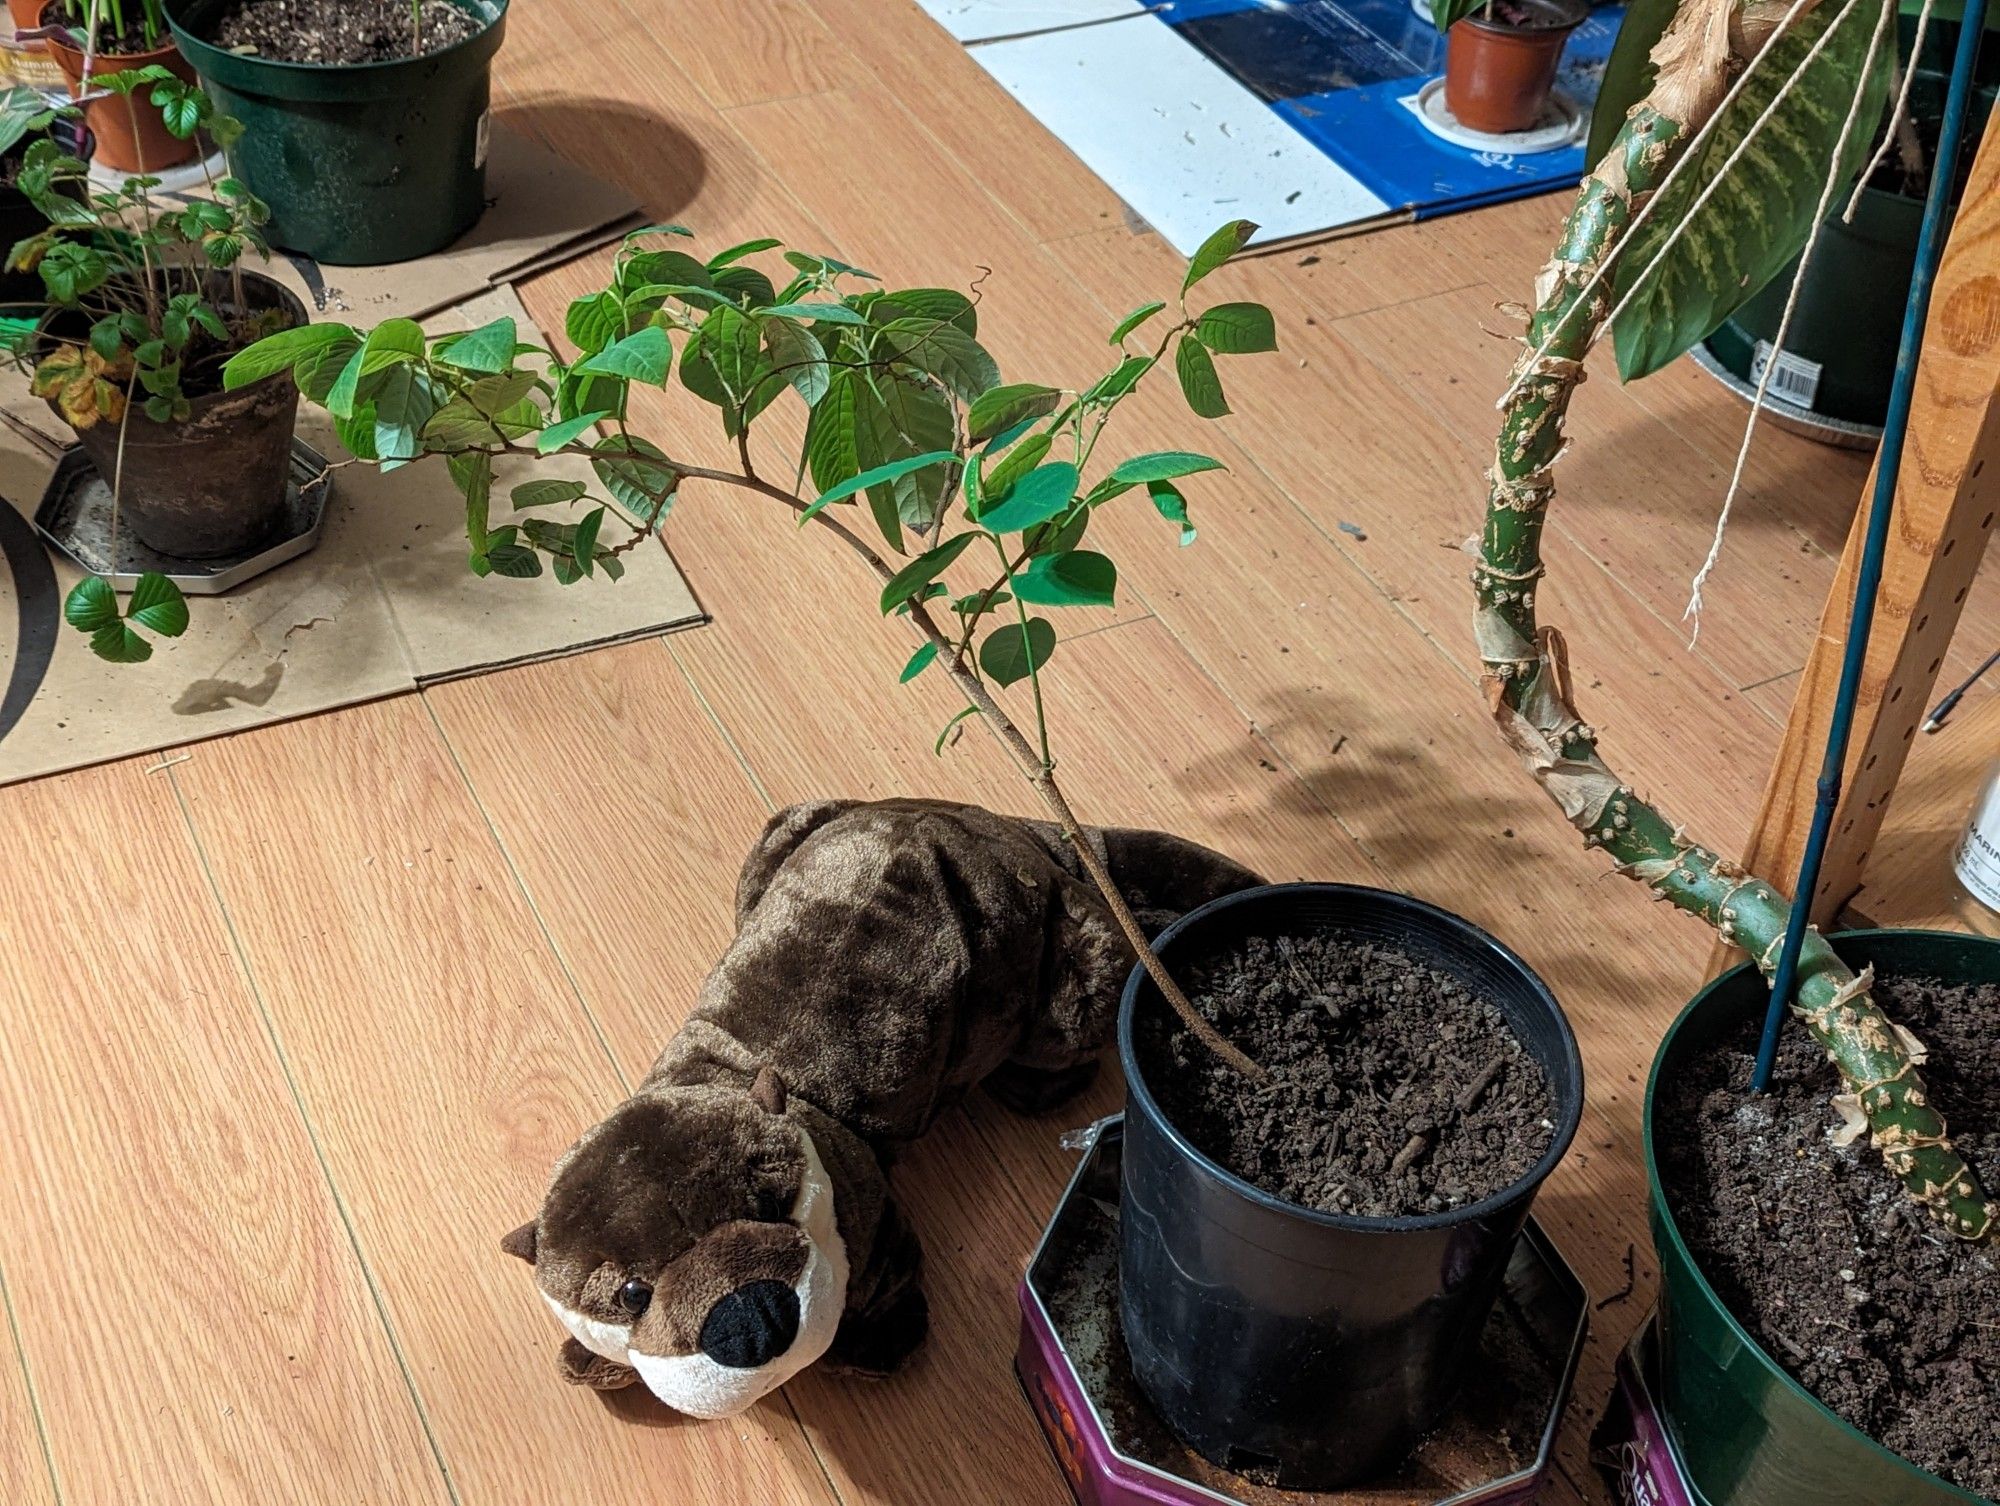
[580,1367]
[877,1343]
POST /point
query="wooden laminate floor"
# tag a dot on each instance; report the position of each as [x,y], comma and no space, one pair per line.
[292,1028]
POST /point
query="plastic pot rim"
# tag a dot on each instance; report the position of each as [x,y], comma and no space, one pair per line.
[1136,1089]
[1664,1223]
[199,51]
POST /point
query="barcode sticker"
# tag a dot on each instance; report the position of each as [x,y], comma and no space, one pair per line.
[1793,378]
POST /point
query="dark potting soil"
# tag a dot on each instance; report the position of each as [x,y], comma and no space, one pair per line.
[1394,1090]
[339,31]
[1821,1254]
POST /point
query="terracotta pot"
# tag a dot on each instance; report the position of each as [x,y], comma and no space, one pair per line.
[119,147]
[1497,76]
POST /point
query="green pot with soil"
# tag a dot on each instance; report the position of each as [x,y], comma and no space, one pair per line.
[211,481]
[1822,1343]
[1306,1262]
[365,134]
[1501,59]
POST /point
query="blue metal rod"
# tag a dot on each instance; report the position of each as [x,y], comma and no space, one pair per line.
[1868,580]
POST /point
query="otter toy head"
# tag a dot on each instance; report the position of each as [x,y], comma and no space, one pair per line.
[691,1237]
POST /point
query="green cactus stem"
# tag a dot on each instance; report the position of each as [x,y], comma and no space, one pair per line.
[1525,669]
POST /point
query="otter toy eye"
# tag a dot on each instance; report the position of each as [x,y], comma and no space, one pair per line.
[634,1296]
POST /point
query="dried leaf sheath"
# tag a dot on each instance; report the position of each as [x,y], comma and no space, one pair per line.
[1526,677]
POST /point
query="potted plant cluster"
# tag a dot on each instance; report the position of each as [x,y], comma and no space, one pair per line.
[1501,58]
[1826,1335]
[90,37]
[971,500]
[366,120]
[141,308]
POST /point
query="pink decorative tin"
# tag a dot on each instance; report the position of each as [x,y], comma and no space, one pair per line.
[1492,1450]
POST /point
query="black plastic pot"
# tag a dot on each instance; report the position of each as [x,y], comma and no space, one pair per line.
[1747,1433]
[213,483]
[362,163]
[1316,1347]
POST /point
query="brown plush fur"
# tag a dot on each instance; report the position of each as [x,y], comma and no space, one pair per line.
[888,957]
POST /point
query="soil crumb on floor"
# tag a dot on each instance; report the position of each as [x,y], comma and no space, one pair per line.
[1394,1090]
[1820,1252]
[339,31]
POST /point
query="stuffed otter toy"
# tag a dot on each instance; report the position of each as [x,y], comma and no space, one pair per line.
[731,1222]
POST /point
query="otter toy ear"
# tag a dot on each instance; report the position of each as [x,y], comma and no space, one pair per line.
[767,1090]
[520,1243]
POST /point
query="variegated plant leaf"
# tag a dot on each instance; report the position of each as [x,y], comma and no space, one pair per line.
[1757,221]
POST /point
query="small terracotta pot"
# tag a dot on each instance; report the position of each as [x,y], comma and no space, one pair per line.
[1497,76]
[119,147]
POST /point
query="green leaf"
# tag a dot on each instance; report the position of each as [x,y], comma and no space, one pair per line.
[547,492]
[807,263]
[946,352]
[91,604]
[496,395]
[555,436]
[797,357]
[919,662]
[317,371]
[594,322]
[1001,408]
[1133,320]
[1075,578]
[473,476]
[390,343]
[1017,462]
[1757,220]
[921,571]
[279,352]
[156,603]
[1163,465]
[824,313]
[895,418]
[732,350]
[1038,496]
[1237,329]
[737,253]
[119,644]
[1224,243]
[1015,650]
[945,305]
[746,285]
[633,235]
[889,471]
[938,746]
[460,426]
[356,432]
[583,548]
[1116,384]
[489,348]
[641,482]
[1446,14]
[514,560]
[1199,383]
[830,433]
[1628,74]
[403,407]
[1172,506]
[646,355]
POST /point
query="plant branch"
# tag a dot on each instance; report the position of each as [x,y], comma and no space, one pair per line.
[1526,674]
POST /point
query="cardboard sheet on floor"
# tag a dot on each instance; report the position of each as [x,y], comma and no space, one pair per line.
[544,210]
[1298,114]
[384,604]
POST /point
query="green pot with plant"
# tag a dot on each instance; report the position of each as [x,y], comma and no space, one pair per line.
[91,37]
[1790,1254]
[142,306]
[1501,58]
[366,120]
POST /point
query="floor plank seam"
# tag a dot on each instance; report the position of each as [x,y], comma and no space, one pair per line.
[1396,303]
[528,898]
[721,728]
[270,1026]
[28,1385]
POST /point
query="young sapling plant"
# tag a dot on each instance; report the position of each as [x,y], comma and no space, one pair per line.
[908,423]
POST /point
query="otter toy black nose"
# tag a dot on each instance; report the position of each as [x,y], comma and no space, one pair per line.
[751,1326]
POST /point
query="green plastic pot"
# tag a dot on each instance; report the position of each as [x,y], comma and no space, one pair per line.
[365,163]
[1747,1433]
